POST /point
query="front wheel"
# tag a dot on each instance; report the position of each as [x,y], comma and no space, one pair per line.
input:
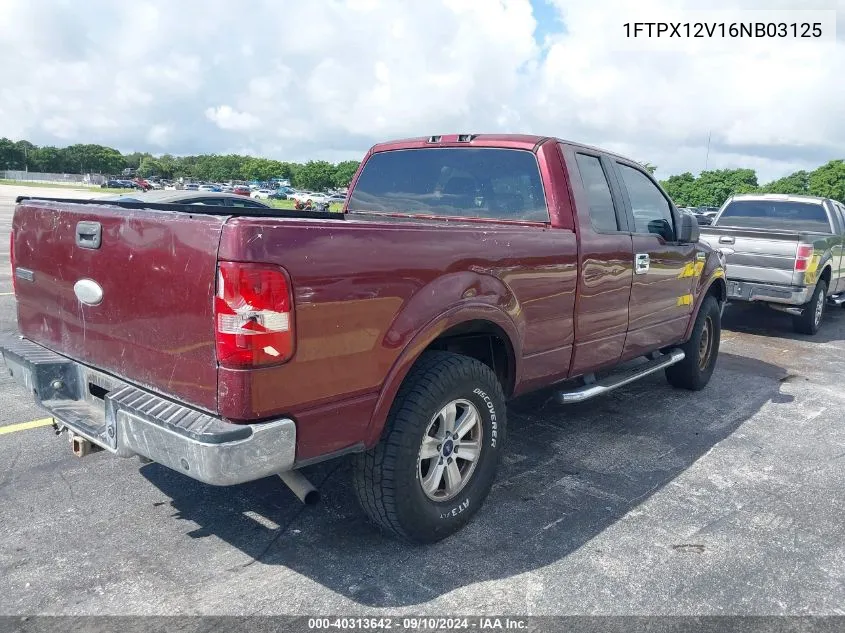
[810,319]
[701,350]
[437,458]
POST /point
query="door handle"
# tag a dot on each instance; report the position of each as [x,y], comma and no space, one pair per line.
[641,263]
[726,239]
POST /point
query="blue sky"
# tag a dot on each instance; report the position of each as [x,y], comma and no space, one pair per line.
[548,19]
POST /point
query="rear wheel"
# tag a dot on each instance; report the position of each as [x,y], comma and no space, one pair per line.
[701,350]
[809,321]
[437,458]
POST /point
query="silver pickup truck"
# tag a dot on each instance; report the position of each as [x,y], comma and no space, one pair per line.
[784,251]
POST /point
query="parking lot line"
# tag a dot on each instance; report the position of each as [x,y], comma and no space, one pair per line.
[23,426]
[6,294]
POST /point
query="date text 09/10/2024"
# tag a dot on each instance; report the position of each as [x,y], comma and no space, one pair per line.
[792,30]
[422,623]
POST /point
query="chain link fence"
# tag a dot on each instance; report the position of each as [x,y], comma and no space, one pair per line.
[83,180]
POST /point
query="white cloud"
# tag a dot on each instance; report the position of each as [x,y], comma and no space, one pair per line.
[227,118]
[299,80]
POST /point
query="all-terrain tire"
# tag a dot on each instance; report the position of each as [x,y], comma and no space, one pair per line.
[388,479]
[700,351]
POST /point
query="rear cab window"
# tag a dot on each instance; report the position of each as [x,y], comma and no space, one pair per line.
[784,215]
[599,197]
[469,182]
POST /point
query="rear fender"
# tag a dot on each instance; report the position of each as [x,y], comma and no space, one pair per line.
[473,297]
[816,268]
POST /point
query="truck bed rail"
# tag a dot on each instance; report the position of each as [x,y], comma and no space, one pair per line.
[207,209]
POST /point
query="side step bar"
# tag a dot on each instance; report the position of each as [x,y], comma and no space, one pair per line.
[593,389]
[837,300]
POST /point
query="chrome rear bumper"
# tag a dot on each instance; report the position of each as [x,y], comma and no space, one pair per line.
[127,420]
[769,293]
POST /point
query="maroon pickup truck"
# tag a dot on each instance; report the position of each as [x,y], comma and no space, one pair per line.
[232,343]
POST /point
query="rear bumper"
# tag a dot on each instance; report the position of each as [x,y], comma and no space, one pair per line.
[739,290]
[127,420]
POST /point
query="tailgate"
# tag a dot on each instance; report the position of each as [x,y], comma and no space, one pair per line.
[154,325]
[757,255]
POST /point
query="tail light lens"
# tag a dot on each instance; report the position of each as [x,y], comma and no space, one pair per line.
[803,257]
[12,261]
[254,320]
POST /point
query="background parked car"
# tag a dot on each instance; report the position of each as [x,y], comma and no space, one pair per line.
[313,196]
[241,190]
[262,194]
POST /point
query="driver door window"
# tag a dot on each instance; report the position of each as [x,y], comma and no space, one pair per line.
[651,210]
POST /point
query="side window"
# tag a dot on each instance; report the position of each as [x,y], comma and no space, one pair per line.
[649,205]
[245,203]
[602,214]
[839,216]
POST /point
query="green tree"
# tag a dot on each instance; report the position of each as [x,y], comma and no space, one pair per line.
[711,188]
[11,156]
[828,180]
[796,183]
[314,175]
[149,166]
[167,165]
[344,172]
[262,169]
[215,167]
[46,159]
[134,159]
[81,159]
[681,189]
[26,149]
[714,187]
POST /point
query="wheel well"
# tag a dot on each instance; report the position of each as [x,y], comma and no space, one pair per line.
[719,289]
[826,275]
[483,341]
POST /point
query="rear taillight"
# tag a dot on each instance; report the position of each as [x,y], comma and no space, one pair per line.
[12,261]
[803,257]
[253,315]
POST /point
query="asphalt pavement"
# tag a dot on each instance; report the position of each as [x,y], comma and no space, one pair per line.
[650,501]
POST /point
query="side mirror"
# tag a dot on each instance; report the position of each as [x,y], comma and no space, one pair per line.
[662,228]
[688,231]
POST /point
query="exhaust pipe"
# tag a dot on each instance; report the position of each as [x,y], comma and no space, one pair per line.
[301,487]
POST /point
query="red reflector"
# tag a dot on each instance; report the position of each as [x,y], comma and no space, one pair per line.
[253,316]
